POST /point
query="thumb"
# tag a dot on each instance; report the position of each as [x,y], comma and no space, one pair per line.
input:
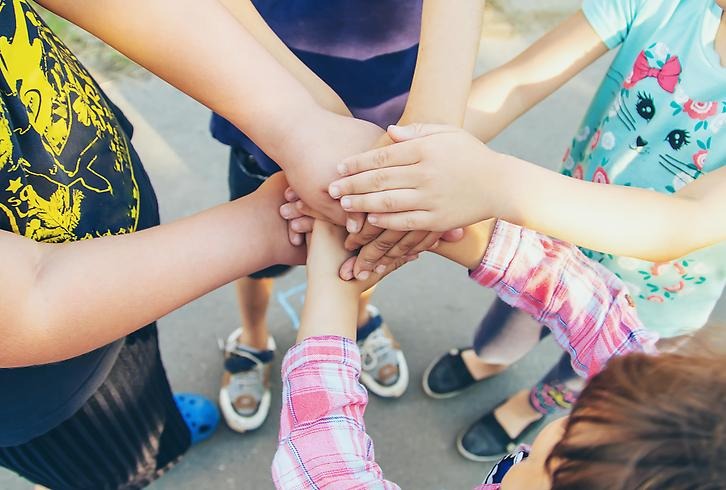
[417,130]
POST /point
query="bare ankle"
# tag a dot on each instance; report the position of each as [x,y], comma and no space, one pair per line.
[516,414]
[479,369]
[255,338]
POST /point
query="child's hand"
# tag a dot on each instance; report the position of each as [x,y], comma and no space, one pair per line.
[437,178]
[311,173]
[268,199]
[300,222]
[325,254]
[380,247]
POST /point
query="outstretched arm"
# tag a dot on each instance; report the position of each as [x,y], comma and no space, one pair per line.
[587,308]
[500,96]
[450,35]
[246,13]
[323,442]
[414,191]
[60,301]
[200,48]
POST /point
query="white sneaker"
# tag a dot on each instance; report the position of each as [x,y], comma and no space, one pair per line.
[244,397]
[384,369]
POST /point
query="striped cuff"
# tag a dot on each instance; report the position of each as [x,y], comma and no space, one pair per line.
[502,248]
[324,349]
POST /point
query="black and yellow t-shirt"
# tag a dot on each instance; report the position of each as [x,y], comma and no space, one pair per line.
[67,172]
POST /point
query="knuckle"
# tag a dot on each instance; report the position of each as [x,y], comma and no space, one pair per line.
[388,203]
[410,222]
[379,180]
[381,158]
[383,245]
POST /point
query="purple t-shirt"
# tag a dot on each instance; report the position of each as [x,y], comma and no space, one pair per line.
[364,49]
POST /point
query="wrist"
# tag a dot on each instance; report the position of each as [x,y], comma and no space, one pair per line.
[298,133]
[470,250]
[508,175]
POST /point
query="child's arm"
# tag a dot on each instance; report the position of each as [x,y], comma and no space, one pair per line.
[323,442]
[200,48]
[587,308]
[450,35]
[502,95]
[60,301]
[250,18]
[416,192]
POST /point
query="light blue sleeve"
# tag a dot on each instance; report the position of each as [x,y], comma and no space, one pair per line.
[612,19]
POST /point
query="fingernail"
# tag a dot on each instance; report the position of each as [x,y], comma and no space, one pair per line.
[296,240]
[284,212]
[342,169]
[295,226]
[372,219]
[334,191]
[380,269]
[435,245]
[351,225]
[345,202]
[364,275]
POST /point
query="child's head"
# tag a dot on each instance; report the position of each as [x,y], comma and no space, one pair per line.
[644,422]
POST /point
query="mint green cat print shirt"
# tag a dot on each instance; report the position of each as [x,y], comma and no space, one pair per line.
[658,121]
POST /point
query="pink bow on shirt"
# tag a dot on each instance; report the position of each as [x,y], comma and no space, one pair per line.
[667,76]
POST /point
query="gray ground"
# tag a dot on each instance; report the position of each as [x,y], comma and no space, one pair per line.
[431,305]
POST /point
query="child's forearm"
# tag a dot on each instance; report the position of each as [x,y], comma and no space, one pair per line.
[200,48]
[329,309]
[469,250]
[450,34]
[499,97]
[614,219]
[61,301]
[323,443]
[586,306]
[249,17]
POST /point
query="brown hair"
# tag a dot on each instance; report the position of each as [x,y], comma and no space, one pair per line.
[647,422]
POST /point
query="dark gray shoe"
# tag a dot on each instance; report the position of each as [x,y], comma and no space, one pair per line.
[486,439]
[447,376]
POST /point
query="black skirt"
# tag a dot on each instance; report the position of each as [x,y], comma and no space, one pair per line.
[125,436]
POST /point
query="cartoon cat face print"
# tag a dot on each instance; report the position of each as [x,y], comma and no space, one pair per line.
[662,127]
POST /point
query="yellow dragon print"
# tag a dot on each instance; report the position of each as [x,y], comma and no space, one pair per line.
[66,171]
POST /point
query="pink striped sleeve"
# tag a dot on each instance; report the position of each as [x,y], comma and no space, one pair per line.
[586,306]
[323,442]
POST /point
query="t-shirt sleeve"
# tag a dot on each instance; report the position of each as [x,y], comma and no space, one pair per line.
[612,19]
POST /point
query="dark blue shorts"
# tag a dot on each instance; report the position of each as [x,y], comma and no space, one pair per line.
[245,176]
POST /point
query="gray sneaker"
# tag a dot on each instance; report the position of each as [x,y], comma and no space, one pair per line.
[384,369]
[244,397]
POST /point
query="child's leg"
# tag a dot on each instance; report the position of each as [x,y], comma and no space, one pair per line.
[363,314]
[504,336]
[557,390]
[385,371]
[244,396]
[254,297]
[505,427]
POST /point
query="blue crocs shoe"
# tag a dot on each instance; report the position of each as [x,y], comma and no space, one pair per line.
[199,413]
